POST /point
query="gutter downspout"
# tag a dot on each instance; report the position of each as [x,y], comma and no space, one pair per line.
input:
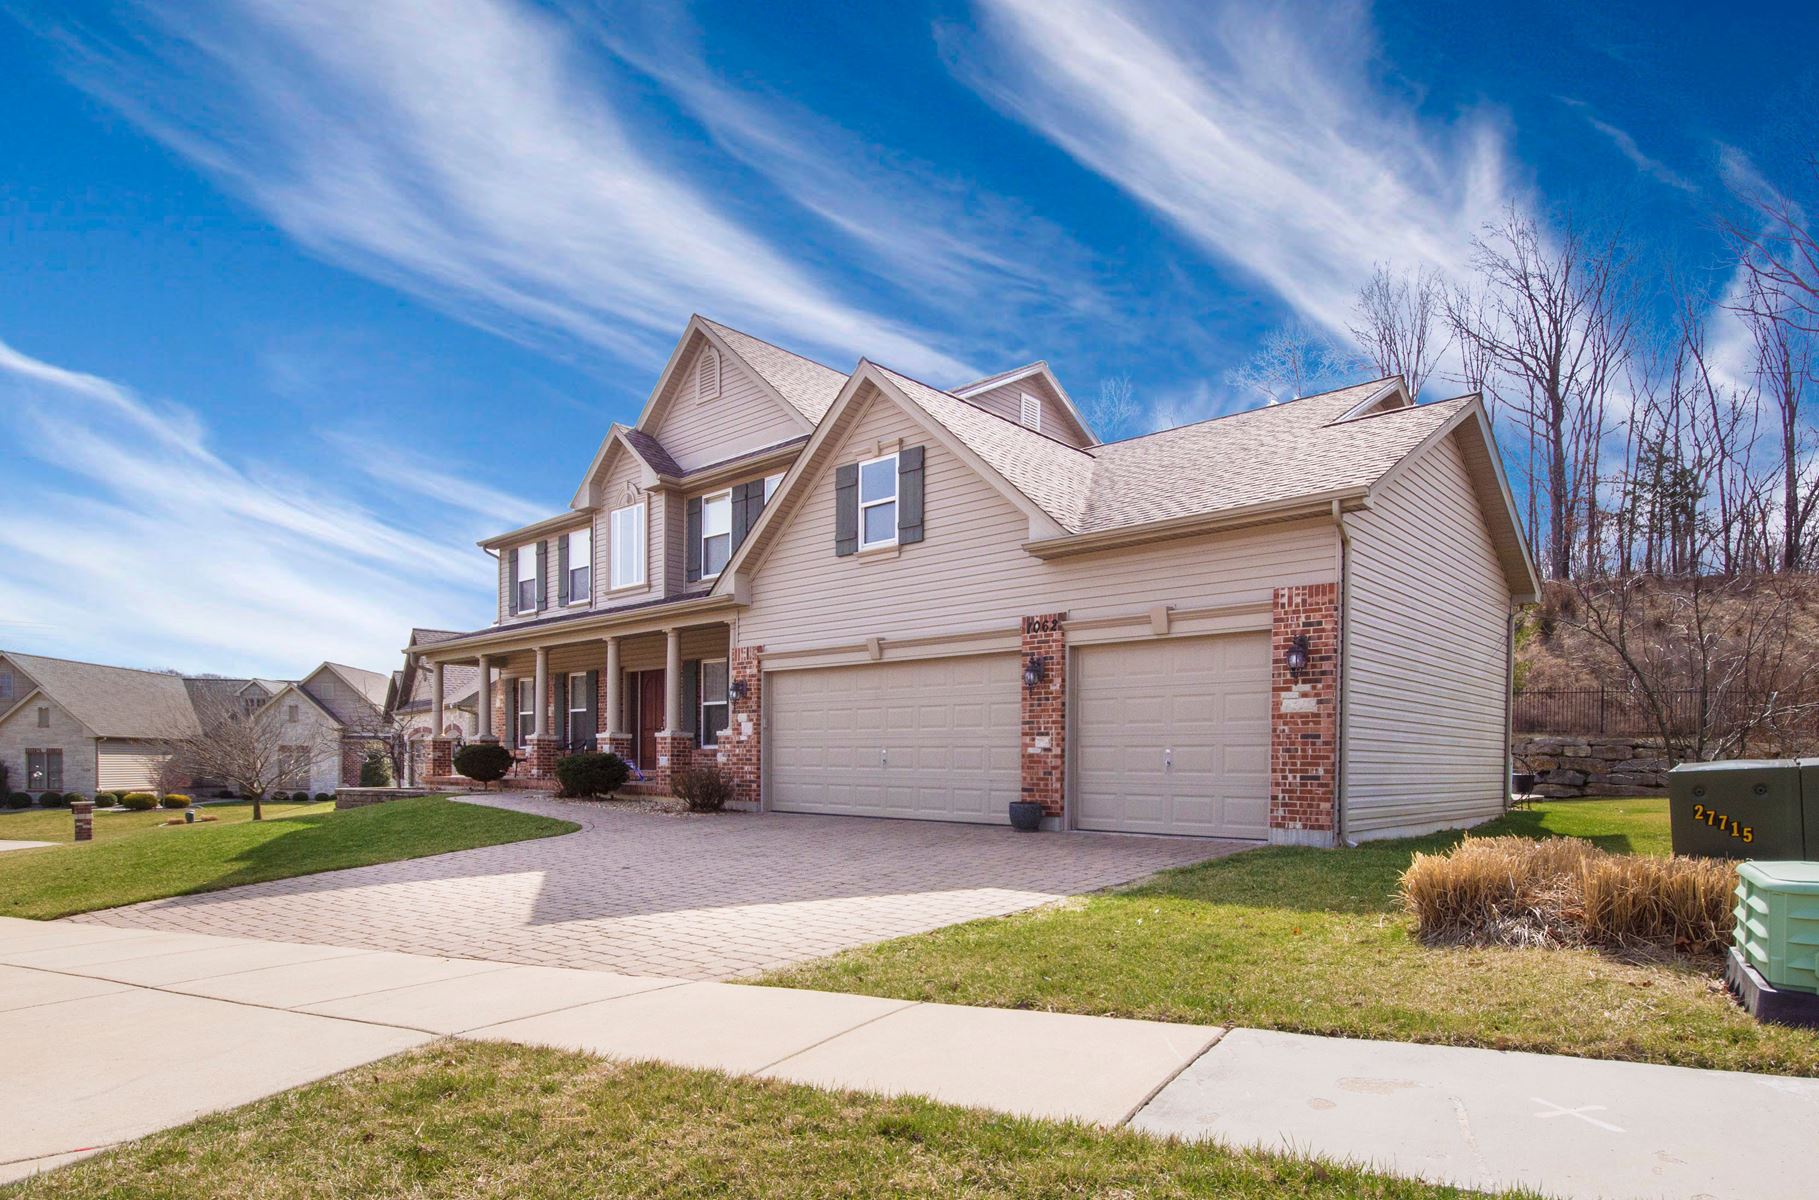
[1509,706]
[1345,634]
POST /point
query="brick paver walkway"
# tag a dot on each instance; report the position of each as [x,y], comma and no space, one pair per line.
[700,897]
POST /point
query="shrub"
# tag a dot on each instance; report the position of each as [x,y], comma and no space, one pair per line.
[325,797]
[19,800]
[174,800]
[483,762]
[54,800]
[703,789]
[301,797]
[139,801]
[1564,891]
[592,773]
[375,770]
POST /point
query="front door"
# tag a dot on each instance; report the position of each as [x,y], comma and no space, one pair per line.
[650,718]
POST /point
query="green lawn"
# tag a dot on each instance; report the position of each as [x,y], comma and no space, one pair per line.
[142,860]
[1315,941]
[488,1121]
[57,825]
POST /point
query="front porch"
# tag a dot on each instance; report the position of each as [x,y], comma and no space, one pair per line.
[663,699]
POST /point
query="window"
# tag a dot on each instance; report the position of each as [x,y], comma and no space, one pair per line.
[250,705]
[628,546]
[580,565]
[527,709]
[44,718]
[716,532]
[290,712]
[878,502]
[580,729]
[713,700]
[44,770]
[770,485]
[525,586]
[1030,412]
[6,679]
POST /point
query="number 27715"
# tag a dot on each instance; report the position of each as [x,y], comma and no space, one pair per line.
[1729,825]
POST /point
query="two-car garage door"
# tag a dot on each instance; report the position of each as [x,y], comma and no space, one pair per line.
[1170,736]
[933,738]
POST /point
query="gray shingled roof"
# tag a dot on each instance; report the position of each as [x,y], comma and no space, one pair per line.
[116,702]
[371,684]
[808,386]
[651,451]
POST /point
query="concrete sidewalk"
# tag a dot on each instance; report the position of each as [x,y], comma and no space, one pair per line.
[135,1030]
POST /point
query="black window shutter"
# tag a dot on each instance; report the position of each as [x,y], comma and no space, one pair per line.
[691,697]
[909,495]
[593,712]
[542,575]
[511,581]
[560,686]
[742,512]
[511,711]
[846,509]
[693,536]
[562,569]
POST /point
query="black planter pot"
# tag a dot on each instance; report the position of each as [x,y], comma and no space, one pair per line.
[1026,815]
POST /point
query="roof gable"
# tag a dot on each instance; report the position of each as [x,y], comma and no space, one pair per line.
[116,702]
[1039,381]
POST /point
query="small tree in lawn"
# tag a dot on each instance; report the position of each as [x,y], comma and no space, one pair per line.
[376,769]
[483,762]
[254,752]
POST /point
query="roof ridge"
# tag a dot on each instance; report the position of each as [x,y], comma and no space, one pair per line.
[1245,412]
[1412,406]
[981,382]
[83,662]
[813,362]
[985,412]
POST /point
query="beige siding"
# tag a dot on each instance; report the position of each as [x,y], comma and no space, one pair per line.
[1424,676]
[335,694]
[1007,402]
[971,572]
[742,418]
[123,764]
[613,495]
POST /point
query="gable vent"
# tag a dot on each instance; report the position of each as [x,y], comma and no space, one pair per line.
[707,375]
[1030,413]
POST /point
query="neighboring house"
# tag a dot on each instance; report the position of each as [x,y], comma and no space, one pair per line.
[80,727]
[862,594]
[409,702]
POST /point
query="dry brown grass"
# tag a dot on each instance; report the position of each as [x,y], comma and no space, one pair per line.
[1513,891]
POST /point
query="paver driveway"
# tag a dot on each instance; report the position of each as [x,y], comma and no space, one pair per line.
[696,896]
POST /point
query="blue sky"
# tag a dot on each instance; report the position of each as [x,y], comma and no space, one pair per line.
[301,299]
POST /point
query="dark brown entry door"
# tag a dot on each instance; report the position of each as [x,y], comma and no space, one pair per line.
[650,718]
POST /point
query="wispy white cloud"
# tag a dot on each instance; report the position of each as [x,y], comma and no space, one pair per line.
[131,540]
[469,152]
[1255,129]
[1626,146]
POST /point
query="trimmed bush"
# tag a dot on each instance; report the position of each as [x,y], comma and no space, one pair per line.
[53,800]
[1514,891]
[300,797]
[375,770]
[19,800]
[325,797]
[592,773]
[483,762]
[139,801]
[703,789]
[174,800]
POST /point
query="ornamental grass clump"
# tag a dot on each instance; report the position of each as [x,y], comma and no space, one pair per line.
[1514,891]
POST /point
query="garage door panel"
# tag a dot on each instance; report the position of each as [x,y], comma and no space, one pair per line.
[948,730]
[1173,736]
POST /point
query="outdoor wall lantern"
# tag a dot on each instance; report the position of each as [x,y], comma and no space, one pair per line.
[1295,657]
[736,689]
[1035,670]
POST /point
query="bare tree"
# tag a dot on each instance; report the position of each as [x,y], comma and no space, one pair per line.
[1291,362]
[1780,250]
[254,752]
[1556,321]
[1784,368]
[1396,318]
[1115,413]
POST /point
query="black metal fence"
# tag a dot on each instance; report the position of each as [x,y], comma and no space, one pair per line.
[1606,711]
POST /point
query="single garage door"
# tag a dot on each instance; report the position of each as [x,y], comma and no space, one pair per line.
[1173,736]
[935,739]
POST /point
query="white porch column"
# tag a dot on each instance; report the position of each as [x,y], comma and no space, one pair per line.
[435,701]
[672,683]
[485,698]
[540,725]
[614,704]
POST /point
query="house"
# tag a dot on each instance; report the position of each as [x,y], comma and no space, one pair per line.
[408,702]
[861,594]
[70,726]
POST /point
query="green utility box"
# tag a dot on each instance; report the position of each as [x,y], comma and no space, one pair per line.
[1748,808]
[1777,930]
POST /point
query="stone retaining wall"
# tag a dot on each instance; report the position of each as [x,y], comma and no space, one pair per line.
[1569,766]
[361,797]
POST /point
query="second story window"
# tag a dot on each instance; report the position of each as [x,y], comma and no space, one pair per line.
[6,685]
[290,712]
[44,718]
[580,565]
[524,587]
[878,502]
[627,533]
[716,532]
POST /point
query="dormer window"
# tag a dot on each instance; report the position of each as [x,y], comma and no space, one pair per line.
[1030,412]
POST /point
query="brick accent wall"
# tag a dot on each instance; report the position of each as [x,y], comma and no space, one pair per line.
[441,757]
[1044,742]
[741,749]
[674,750]
[540,755]
[1304,717]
